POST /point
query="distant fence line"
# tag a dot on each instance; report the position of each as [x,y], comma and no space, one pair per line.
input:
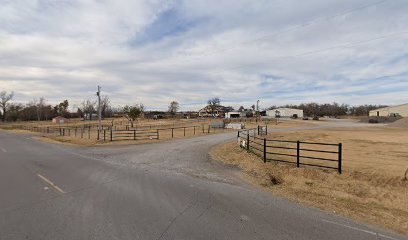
[138,134]
[267,150]
[109,133]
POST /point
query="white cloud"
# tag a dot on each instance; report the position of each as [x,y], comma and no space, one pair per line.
[158,51]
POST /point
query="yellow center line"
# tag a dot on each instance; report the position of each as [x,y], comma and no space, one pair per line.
[50,183]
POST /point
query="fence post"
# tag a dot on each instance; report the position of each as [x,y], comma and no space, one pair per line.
[298,154]
[104,135]
[157,134]
[264,150]
[111,133]
[209,128]
[134,134]
[172,132]
[89,132]
[258,129]
[98,134]
[184,131]
[340,156]
[203,128]
[247,140]
[194,130]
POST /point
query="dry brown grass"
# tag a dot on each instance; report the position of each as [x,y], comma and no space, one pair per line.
[371,188]
[164,135]
[281,124]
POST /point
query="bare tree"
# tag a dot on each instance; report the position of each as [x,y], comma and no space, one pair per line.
[88,108]
[213,103]
[173,108]
[37,105]
[4,102]
[106,108]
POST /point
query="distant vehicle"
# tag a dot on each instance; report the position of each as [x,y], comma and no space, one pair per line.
[316,118]
[158,116]
[305,118]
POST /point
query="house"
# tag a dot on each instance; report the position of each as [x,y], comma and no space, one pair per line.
[285,113]
[218,112]
[59,120]
[393,111]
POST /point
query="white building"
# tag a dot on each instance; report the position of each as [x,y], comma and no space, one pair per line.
[401,110]
[285,113]
[234,114]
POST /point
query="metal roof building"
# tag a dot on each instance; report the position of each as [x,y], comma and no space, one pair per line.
[285,113]
[401,110]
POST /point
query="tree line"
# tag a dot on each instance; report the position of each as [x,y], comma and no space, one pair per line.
[332,109]
[39,109]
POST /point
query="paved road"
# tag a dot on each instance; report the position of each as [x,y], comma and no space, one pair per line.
[171,190]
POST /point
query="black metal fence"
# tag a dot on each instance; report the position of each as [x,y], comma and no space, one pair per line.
[79,132]
[121,135]
[300,153]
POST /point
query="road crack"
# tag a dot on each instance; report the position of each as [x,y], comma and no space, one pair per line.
[178,216]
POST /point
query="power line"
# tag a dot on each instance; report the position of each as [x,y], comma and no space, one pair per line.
[317,51]
[298,26]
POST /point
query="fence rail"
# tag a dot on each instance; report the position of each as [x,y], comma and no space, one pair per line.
[301,153]
[117,133]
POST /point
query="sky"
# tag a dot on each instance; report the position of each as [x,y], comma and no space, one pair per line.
[154,52]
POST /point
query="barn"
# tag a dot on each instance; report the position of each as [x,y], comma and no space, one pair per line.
[285,113]
[393,111]
[59,120]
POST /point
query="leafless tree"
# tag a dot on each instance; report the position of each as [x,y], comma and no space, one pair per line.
[213,103]
[106,108]
[4,102]
[38,105]
[88,108]
[173,108]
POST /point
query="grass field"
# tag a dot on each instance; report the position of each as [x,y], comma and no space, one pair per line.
[371,189]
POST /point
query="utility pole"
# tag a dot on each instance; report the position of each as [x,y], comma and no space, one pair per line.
[98,93]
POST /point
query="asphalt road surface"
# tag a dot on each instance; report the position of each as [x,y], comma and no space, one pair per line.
[169,190]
